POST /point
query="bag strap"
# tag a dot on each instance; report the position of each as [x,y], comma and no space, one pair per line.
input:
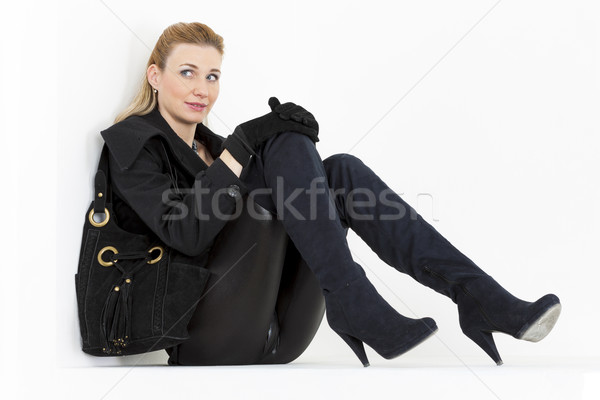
[102,191]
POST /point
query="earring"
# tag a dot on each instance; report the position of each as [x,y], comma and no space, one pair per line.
[155,91]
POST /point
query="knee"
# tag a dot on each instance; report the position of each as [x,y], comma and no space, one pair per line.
[291,140]
[341,162]
[289,148]
[342,158]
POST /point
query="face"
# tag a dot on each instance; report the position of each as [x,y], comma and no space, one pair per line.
[188,86]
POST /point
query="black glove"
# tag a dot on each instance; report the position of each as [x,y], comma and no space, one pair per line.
[292,111]
[247,137]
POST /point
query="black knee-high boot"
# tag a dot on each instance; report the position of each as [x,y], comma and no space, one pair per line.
[402,239]
[355,310]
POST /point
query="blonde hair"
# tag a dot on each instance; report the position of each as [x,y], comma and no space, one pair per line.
[189,33]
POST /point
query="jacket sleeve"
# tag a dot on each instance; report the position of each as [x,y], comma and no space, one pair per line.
[187,220]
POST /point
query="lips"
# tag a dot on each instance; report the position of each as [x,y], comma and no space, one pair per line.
[196,106]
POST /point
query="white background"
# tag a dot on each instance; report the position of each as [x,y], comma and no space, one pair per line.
[482,114]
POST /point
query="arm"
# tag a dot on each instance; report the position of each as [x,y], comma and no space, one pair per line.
[231,162]
[249,136]
[187,221]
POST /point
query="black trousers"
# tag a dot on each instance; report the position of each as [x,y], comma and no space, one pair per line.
[310,195]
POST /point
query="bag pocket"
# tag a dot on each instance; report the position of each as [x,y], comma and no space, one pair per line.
[185,287]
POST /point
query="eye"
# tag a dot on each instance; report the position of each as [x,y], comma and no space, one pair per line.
[214,77]
[187,73]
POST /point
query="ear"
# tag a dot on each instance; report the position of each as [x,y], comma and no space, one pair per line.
[153,75]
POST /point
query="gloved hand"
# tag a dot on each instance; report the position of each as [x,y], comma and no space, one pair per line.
[292,111]
[247,137]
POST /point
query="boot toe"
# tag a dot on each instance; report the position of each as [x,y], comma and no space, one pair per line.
[422,330]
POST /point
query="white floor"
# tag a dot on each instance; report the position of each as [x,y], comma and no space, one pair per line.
[342,378]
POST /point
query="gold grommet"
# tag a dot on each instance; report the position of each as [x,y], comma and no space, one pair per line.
[127,280]
[160,254]
[117,288]
[100,194]
[101,253]
[98,224]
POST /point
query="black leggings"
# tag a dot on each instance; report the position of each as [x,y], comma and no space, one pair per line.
[255,313]
[232,322]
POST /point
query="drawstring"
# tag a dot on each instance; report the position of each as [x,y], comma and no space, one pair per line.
[116,314]
[132,255]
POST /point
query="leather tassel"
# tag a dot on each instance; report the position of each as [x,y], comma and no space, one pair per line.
[116,314]
[116,322]
[116,317]
[125,317]
[107,320]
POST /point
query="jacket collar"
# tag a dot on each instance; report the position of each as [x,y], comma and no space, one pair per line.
[126,139]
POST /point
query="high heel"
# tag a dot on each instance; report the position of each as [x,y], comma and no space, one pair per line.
[357,347]
[412,246]
[358,313]
[485,307]
[534,329]
[485,340]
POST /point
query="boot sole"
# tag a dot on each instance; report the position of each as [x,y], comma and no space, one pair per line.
[543,325]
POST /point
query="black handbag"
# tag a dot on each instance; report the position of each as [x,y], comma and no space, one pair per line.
[134,294]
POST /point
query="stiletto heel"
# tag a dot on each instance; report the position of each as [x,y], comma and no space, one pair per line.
[485,307]
[358,313]
[357,347]
[485,340]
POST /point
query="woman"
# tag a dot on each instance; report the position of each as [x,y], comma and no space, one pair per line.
[164,162]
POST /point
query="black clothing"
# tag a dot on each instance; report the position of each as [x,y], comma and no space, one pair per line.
[259,314]
[284,306]
[249,136]
[144,154]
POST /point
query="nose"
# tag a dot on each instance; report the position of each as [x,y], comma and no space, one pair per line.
[200,89]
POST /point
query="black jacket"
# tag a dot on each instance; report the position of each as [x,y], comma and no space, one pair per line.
[162,187]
